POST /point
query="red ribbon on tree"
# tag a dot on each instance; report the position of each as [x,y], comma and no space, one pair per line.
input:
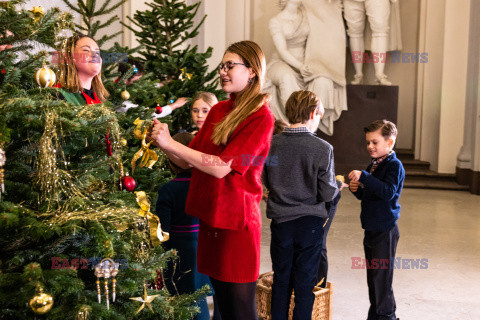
[108,144]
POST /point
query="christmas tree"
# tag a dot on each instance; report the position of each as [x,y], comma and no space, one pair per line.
[62,211]
[164,32]
[91,17]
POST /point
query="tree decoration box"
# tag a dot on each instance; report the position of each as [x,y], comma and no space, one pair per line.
[322,306]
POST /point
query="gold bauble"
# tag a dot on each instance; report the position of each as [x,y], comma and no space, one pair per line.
[123,142]
[41,303]
[125,95]
[45,77]
[83,313]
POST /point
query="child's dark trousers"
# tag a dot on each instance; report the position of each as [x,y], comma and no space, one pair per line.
[378,246]
[295,251]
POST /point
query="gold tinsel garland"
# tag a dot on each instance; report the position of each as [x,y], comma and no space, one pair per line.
[66,199]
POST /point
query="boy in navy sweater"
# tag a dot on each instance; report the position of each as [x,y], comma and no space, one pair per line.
[379,188]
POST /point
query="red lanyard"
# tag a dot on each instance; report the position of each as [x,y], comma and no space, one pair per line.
[90,100]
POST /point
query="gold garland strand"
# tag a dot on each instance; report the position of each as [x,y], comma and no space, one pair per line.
[157,235]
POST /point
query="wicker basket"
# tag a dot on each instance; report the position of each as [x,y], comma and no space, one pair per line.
[322,306]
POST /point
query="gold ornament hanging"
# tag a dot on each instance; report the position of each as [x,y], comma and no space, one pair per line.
[105,269]
[145,299]
[125,95]
[45,77]
[83,313]
[42,302]
[149,157]
[184,75]
[123,142]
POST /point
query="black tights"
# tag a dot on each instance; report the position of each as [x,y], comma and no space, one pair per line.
[236,301]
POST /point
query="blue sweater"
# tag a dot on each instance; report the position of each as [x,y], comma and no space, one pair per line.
[380,194]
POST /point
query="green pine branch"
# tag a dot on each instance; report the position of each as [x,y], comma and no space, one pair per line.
[92,18]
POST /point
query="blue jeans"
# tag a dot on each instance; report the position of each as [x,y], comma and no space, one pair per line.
[295,251]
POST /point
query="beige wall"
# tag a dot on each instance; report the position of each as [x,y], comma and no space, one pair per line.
[454,83]
[429,81]
[442,83]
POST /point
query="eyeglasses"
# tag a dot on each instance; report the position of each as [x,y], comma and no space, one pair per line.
[227,66]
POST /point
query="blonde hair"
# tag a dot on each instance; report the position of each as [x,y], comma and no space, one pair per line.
[68,75]
[208,97]
[250,99]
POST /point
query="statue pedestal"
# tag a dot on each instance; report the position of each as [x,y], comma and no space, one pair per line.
[365,105]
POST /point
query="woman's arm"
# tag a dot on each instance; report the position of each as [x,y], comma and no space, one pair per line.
[178,161]
[185,157]
[207,163]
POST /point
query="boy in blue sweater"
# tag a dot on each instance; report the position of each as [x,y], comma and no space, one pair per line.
[379,188]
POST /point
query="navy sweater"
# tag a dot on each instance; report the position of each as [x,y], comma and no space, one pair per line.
[380,194]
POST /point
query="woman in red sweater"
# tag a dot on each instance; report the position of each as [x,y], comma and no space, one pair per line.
[227,157]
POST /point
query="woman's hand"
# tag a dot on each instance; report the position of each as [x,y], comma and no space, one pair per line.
[160,134]
[6,46]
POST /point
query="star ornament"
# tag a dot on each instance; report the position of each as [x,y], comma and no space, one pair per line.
[145,299]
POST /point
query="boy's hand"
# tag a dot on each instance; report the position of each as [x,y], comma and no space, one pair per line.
[355,175]
[344,185]
[354,185]
[180,102]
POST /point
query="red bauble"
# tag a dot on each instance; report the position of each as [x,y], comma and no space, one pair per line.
[128,183]
[158,110]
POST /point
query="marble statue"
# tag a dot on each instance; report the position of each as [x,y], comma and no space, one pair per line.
[381,33]
[310,42]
